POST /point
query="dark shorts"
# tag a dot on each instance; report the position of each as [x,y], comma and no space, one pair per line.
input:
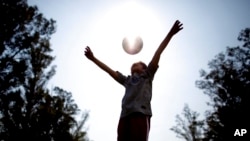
[134,127]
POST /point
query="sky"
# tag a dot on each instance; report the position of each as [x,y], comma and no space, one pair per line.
[209,27]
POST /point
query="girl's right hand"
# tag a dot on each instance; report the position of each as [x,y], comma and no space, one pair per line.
[88,53]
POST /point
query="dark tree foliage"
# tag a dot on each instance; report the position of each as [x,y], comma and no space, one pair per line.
[28,110]
[228,86]
[189,128]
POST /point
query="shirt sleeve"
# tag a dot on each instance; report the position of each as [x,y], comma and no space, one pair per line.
[151,70]
[121,78]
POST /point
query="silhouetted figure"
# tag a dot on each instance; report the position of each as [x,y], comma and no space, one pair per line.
[134,123]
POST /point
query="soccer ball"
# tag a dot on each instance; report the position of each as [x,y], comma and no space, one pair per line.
[132,44]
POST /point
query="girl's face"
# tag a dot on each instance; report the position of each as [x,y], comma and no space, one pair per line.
[137,68]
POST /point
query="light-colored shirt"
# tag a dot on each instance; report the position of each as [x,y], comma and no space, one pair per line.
[138,92]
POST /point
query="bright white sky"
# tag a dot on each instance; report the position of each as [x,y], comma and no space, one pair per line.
[209,26]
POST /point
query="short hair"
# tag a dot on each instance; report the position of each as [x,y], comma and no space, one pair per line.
[144,66]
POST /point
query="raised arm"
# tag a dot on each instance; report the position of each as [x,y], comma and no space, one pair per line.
[175,29]
[89,54]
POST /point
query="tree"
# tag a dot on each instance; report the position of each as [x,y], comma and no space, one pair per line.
[189,128]
[228,86]
[29,110]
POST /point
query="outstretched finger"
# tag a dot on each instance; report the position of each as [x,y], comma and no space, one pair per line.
[179,24]
[87,49]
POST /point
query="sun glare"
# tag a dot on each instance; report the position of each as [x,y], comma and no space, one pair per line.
[133,18]
[128,19]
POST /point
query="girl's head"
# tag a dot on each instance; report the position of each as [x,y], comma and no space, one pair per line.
[138,67]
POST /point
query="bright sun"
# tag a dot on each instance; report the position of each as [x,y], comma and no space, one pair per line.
[129,19]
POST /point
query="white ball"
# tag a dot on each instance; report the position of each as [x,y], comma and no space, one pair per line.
[132,44]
